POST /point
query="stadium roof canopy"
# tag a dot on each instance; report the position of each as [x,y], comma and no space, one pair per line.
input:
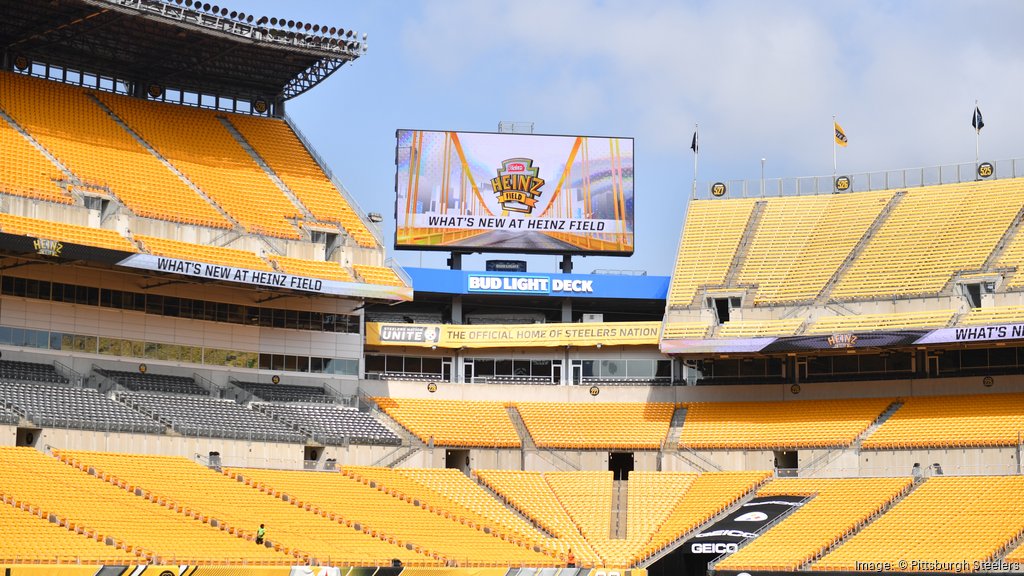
[177,44]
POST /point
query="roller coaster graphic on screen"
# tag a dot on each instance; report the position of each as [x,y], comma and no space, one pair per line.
[526,193]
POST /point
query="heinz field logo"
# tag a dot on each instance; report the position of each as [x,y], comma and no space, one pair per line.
[517,185]
[45,247]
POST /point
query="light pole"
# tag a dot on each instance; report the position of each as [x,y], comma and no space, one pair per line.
[762,177]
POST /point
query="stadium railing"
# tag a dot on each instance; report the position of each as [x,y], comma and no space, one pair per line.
[394,265]
[337,184]
[861,182]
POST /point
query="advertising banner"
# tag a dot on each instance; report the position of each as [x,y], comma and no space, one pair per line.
[512,335]
[725,536]
[263,278]
[845,340]
[523,193]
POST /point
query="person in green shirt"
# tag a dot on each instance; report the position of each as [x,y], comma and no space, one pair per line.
[260,534]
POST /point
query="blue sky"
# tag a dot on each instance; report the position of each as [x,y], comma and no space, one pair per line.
[763,79]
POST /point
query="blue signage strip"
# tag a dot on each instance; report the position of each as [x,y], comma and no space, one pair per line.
[539,284]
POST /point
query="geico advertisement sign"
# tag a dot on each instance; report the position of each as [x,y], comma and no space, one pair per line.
[529,285]
[713,547]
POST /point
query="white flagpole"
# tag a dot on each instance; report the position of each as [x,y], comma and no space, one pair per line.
[696,151]
[977,136]
[834,167]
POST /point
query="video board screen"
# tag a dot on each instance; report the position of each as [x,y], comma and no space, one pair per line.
[524,193]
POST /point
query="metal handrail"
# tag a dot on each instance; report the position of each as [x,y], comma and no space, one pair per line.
[861,182]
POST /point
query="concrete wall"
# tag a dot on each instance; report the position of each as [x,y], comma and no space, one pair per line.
[955,461]
[747,393]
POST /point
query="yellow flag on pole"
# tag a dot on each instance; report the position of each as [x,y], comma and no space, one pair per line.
[840,135]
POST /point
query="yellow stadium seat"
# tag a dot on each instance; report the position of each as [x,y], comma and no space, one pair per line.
[952,421]
[239,509]
[99,509]
[72,127]
[711,235]
[614,425]
[836,507]
[198,145]
[84,235]
[778,425]
[275,142]
[203,253]
[378,275]
[313,268]
[876,322]
[931,234]
[945,520]
[454,422]
[26,171]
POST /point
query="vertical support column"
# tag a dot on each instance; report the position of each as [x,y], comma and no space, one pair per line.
[456,309]
[566,264]
[567,310]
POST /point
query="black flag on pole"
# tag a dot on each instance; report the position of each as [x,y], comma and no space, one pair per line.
[976,122]
[693,144]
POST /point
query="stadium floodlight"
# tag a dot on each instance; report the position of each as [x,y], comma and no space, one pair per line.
[234,14]
[249,18]
[224,12]
[273,21]
[364,36]
[206,7]
[291,23]
[348,34]
[263,20]
[375,217]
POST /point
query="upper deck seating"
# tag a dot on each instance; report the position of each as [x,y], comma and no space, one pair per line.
[81,135]
[931,234]
[26,171]
[198,145]
[711,234]
[282,150]
[801,241]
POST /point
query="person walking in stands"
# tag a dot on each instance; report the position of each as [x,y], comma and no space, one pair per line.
[260,534]
[570,560]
